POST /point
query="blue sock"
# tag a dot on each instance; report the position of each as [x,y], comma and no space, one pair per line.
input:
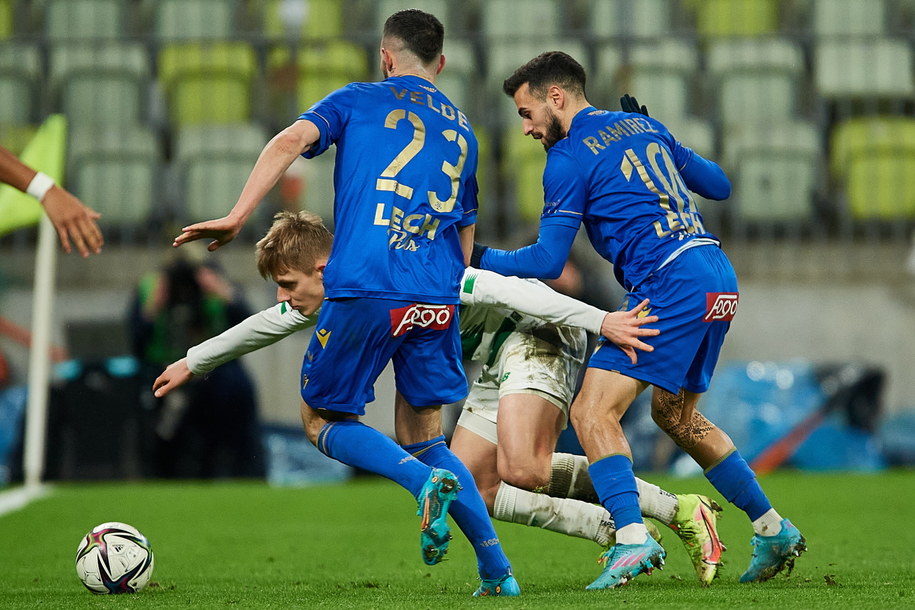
[468,510]
[360,446]
[734,479]
[614,483]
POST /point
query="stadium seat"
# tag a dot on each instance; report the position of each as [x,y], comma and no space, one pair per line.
[105,82]
[175,20]
[84,19]
[726,18]
[871,158]
[756,79]
[695,133]
[311,71]
[20,73]
[642,20]
[536,21]
[208,82]
[848,17]
[317,177]
[776,169]
[214,162]
[16,136]
[297,20]
[523,160]
[880,68]
[485,173]
[604,81]
[117,169]
[7,18]
[661,76]
[460,80]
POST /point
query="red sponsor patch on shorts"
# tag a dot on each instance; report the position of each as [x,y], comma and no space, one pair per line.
[720,306]
[436,317]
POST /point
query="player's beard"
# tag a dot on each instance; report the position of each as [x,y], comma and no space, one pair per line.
[554,131]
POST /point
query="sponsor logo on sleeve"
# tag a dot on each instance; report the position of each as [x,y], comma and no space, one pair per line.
[436,317]
[720,306]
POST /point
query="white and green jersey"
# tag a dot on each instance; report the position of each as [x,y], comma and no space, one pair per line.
[492,306]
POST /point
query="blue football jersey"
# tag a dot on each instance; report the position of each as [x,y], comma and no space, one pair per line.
[628,180]
[404,182]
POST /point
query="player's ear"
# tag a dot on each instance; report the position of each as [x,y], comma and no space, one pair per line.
[441,65]
[556,95]
[386,60]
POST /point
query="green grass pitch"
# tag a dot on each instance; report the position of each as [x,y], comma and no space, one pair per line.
[356,545]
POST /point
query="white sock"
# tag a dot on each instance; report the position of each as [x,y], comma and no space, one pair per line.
[634,533]
[769,524]
[569,478]
[562,515]
[656,503]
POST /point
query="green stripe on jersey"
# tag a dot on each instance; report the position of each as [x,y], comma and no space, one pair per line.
[468,284]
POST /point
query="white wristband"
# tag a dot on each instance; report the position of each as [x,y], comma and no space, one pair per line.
[40,185]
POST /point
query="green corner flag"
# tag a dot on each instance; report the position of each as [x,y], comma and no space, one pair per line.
[45,152]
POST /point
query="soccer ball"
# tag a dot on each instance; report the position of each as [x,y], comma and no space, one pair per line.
[114,558]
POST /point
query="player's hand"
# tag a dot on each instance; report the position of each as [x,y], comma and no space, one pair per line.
[624,329]
[175,375]
[74,221]
[630,104]
[221,231]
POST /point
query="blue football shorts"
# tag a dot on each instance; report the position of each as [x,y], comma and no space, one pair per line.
[695,298]
[354,339]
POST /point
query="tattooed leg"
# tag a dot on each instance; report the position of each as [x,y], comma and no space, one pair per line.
[677,416]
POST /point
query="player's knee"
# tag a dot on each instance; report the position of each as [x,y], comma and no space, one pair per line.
[580,416]
[523,474]
[667,408]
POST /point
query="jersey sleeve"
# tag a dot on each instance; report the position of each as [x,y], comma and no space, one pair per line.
[487,289]
[565,189]
[330,115]
[470,201]
[259,330]
[701,175]
[544,259]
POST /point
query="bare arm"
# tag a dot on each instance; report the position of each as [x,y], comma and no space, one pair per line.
[274,160]
[71,218]
[466,234]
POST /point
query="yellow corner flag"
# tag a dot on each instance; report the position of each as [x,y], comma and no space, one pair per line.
[45,152]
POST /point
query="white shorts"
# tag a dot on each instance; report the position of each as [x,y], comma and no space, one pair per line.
[543,361]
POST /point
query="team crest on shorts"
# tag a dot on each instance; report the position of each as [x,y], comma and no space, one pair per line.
[720,306]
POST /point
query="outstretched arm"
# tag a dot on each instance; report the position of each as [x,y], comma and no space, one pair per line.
[274,160]
[623,328]
[259,330]
[544,259]
[71,218]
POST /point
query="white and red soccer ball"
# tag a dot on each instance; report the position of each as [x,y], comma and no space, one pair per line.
[114,558]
